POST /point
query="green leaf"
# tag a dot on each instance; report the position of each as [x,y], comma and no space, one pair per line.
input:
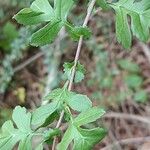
[141,96]
[41,114]
[88,116]
[133,81]
[25,144]
[84,139]
[80,71]
[122,28]
[87,138]
[43,6]
[76,32]
[9,137]
[23,133]
[10,31]
[50,134]
[60,94]
[24,123]
[140,24]
[62,8]
[39,147]
[128,65]
[56,94]
[47,34]
[79,102]
[67,138]
[40,11]
[103,4]
[29,17]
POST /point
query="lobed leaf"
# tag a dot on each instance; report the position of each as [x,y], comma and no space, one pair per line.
[40,11]
[40,115]
[79,102]
[140,24]
[62,8]
[88,116]
[10,135]
[47,34]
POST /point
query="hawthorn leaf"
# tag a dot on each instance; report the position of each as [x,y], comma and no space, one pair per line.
[83,139]
[22,119]
[122,28]
[47,34]
[43,6]
[40,115]
[40,11]
[23,133]
[88,116]
[25,144]
[9,136]
[62,8]
[79,102]
[140,24]
[29,17]
[67,138]
[86,138]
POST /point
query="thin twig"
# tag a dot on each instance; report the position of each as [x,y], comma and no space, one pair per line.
[89,11]
[127,116]
[127,141]
[28,61]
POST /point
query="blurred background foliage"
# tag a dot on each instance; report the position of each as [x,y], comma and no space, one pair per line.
[115,78]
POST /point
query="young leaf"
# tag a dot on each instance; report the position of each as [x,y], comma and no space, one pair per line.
[40,115]
[140,24]
[47,34]
[88,116]
[87,138]
[80,71]
[77,32]
[79,102]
